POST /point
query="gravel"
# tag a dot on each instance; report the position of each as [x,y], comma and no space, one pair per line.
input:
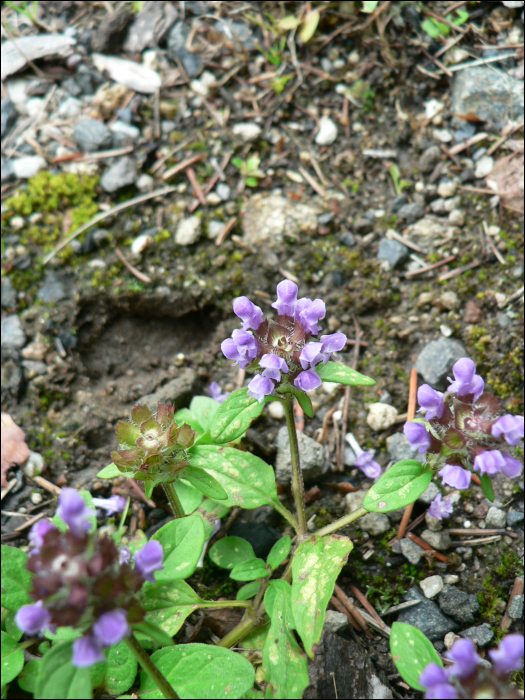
[410,550]
[429,159]
[8,294]
[177,50]
[92,135]
[381,416]
[435,362]
[313,461]
[439,540]
[27,166]
[121,174]
[462,607]
[426,616]
[53,290]
[399,448]
[496,518]
[247,131]
[514,517]
[481,635]
[411,212]
[375,524]
[335,621]
[188,231]
[431,586]
[13,336]
[393,252]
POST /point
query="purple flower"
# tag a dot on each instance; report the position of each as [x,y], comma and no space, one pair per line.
[112,505]
[489,462]
[512,467]
[463,654]
[286,298]
[111,627]
[455,476]
[273,366]
[433,675]
[466,379]
[87,651]
[215,393]
[333,343]
[440,509]
[508,656]
[510,427]
[250,315]
[312,354]
[32,619]
[431,400]
[241,347]
[442,691]
[310,313]
[418,436]
[260,387]
[366,464]
[124,556]
[149,559]
[308,380]
[38,532]
[74,512]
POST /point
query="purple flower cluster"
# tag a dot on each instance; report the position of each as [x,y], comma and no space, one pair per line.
[466,676]
[83,581]
[281,349]
[464,432]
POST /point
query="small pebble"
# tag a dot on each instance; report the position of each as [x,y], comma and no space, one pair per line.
[456,217]
[496,518]
[447,189]
[27,166]
[484,166]
[381,416]
[449,640]
[247,131]
[431,586]
[327,133]
[140,244]
[276,410]
[36,498]
[451,579]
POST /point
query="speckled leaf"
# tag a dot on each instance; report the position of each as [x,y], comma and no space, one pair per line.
[411,652]
[401,485]
[16,580]
[58,677]
[249,570]
[12,658]
[121,669]
[231,551]
[169,603]
[316,565]
[234,417]
[182,541]
[486,487]
[341,374]
[200,671]
[204,482]
[279,552]
[109,472]
[284,664]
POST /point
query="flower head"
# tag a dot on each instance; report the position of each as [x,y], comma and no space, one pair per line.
[112,505]
[308,380]
[510,428]
[434,678]
[311,312]
[74,512]
[418,436]
[508,656]
[431,400]
[489,462]
[463,654]
[241,347]
[149,559]
[87,651]
[441,508]
[250,315]
[286,298]
[273,365]
[111,627]
[455,476]
[259,387]
[32,619]
[312,355]
[367,465]
[216,392]
[466,379]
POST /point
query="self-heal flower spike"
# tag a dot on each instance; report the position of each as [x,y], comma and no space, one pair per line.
[250,315]
[149,559]
[508,656]
[430,400]
[440,508]
[74,512]
[418,436]
[489,462]
[463,654]
[510,428]
[113,504]
[466,379]
[87,651]
[455,476]
[365,462]
[32,619]
[111,627]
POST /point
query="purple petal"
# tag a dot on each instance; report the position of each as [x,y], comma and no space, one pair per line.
[431,400]
[442,691]
[74,512]
[32,619]
[455,476]
[87,651]
[271,373]
[38,532]
[112,505]
[124,555]
[286,298]
[307,381]
[260,387]
[111,627]
[439,508]
[508,656]
[272,361]
[367,465]
[418,436]
[333,343]
[250,315]
[310,355]
[512,467]
[432,675]
[149,559]
[466,381]
[215,390]
[489,462]
[311,314]
[463,653]
[510,428]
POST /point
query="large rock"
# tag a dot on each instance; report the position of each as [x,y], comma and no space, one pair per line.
[435,362]
[488,93]
[266,219]
[462,607]
[313,461]
[426,616]
[121,174]
[178,391]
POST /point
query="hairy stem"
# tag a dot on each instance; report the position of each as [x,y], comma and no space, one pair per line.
[147,664]
[247,624]
[228,604]
[297,475]
[338,524]
[176,506]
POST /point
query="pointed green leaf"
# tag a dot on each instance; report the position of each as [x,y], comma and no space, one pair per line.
[12,658]
[28,678]
[303,398]
[248,591]
[182,541]
[121,669]
[189,497]
[234,416]
[16,580]
[310,23]
[279,552]
[316,565]
[153,631]
[148,488]
[341,374]
[271,595]
[411,652]
[203,482]
[127,433]
[369,5]
[486,487]
[58,677]
[231,551]
[249,570]
[401,485]
[109,472]
[169,603]
[204,409]
[200,671]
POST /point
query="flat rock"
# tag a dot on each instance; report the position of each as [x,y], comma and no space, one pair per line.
[134,76]
[435,361]
[122,173]
[92,135]
[439,540]
[266,219]
[188,231]
[111,31]
[15,54]
[375,524]
[462,607]
[410,550]
[426,616]
[178,391]
[54,289]
[411,212]
[481,635]
[13,336]
[393,252]
[496,518]
[335,621]
[313,461]
[399,448]
[27,166]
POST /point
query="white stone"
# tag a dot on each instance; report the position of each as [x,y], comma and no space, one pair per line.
[450,301]
[327,133]
[223,191]
[188,231]
[329,387]
[433,107]
[145,183]
[276,410]
[484,166]
[202,85]
[140,244]
[17,223]
[213,199]
[70,108]
[447,189]
[456,217]
[215,228]
[121,127]
[335,621]
[36,498]
[35,465]
[247,131]
[431,586]
[381,416]
[442,135]
[459,55]
[449,640]
[451,579]
[150,59]
[27,166]
[133,75]
[35,107]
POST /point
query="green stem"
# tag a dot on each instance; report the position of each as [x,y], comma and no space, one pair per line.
[246,625]
[228,604]
[297,475]
[338,524]
[147,664]
[176,505]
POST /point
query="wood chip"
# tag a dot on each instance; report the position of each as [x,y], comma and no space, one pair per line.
[427,547]
[47,485]
[228,228]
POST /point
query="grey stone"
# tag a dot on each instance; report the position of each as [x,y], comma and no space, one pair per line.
[429,159]
[335,621]
[429,493]
[177,50]
[438,206]
[178,391]
[92,135]
[313,461]
[362,225]
[411,212]
[238,33]
[490,94]
[411,551]
[439,540]
[496,518]
[6,170]
[466,553]
[8,116]
[397,203]
[34,368]
[374,523]
[433,524]
[8,294]
[516,608]
[514,517]
[267,219]
[393,252]
[481,635]
[436,360]
[426,616]
[111,31]
[11,377]
[53,290]
[121,174]
[348,239]
[503,321]
[142,32]
[399,448]
[354,500]
[12,334]
[462,607]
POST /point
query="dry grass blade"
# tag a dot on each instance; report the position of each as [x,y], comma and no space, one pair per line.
[139,275]
[427,547]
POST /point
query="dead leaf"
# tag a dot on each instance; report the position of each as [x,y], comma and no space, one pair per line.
[507,181]
[14,449]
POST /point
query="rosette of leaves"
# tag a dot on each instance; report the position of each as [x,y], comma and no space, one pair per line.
[153,447]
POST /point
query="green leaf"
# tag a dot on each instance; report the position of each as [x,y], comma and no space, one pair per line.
[287,23]
[203,482]
[231,551]
[303,398]
[148,488]
[279,552]
[182,541]
[238,162]
[188,417]
[284,663]
[63,634]
[189,497]
[169,603]
[204,410]
[121,669]
[270,597]
[369,5]
[341,374]
[486,487]
[257,638]
[250,570]
[109,472]
[434,28]
[251,182]
[411,652]
[154,631]
[11,627]
[28,678]
[248,591]
[234,416]
[200,671]
[16,580]
[59,679]
[310,23]
[401,485]
[461,19]
[12,658]
[316,565]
